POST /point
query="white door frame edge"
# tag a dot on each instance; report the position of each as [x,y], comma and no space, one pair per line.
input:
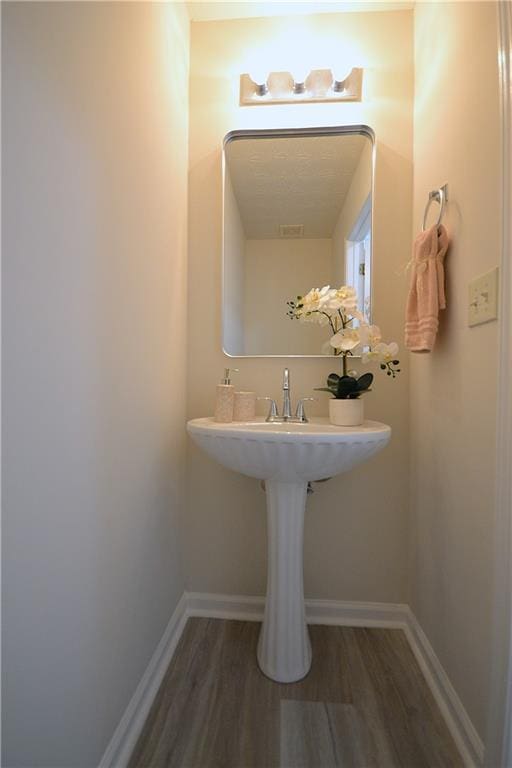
[499,720]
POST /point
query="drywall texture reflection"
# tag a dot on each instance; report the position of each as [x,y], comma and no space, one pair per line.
[355,537]
[94,151]
[453,390]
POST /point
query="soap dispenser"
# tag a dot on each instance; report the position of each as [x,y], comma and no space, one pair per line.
[225,399]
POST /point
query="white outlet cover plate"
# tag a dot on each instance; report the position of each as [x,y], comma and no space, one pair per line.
[483,298]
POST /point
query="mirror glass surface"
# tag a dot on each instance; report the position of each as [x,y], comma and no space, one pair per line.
[297,216]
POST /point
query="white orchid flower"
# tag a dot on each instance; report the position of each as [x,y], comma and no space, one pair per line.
[332,300]
[315,299]
[349,306]
[386,352]
[331,304]
[380,351]
[344,299]
[346,292]
[346,340]
[370,335]
[314,316]
[323,319]
[339,307]
[358,315]
[370,355]
[347,298]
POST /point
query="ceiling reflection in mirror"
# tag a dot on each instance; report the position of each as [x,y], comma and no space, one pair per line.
[297,216]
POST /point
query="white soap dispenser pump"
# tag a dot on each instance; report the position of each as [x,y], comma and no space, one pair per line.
[225,399]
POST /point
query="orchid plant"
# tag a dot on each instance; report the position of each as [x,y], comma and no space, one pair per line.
[337,308]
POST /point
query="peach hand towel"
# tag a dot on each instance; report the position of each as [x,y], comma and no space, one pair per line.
[426,292]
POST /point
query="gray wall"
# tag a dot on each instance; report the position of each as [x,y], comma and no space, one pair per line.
[94,149]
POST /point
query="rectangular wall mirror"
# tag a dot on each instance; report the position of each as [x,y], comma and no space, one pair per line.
[297,214]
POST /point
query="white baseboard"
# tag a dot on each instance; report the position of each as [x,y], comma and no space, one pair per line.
[122,744]
[335,612]
[327,612]
[214,606]
[463,731]
[355,614]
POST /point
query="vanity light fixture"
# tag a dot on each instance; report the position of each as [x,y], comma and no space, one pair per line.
[300,77]
[320,85]
[259,75]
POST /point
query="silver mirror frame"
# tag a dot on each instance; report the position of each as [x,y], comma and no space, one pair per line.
[275,133]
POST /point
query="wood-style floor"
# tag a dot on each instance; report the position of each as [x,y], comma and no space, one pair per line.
[364,704]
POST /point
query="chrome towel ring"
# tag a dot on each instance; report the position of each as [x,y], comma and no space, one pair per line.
[439,196]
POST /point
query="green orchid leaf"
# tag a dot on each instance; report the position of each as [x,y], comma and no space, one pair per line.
[364,381]
[346,386]
[332,380]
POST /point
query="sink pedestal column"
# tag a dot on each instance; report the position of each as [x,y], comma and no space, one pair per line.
[284,648]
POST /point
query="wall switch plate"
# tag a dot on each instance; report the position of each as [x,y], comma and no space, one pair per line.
[483,298]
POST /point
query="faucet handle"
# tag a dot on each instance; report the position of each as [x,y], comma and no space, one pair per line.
[273,413]
[300,413]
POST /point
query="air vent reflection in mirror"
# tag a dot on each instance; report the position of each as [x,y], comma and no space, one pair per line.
[291,230]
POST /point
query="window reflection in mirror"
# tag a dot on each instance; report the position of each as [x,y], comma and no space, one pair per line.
[297,215]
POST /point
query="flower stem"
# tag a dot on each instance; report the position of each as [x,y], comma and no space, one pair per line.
[333,327]
[345,364]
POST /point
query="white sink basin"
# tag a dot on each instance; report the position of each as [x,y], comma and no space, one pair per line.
[287,456]
[289,452]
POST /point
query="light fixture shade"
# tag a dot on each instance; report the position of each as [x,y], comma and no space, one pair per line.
[280,84]
[319,82]
[340,73]
[259,79]
[258,75]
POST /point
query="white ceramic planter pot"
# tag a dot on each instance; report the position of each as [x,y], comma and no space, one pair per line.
[346,413]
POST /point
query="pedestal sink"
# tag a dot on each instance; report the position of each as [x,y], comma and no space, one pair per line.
[287,456]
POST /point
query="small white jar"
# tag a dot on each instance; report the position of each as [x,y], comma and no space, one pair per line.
[245,406]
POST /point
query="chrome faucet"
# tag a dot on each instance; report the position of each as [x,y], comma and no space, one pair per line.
[287,406]
[273,414]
